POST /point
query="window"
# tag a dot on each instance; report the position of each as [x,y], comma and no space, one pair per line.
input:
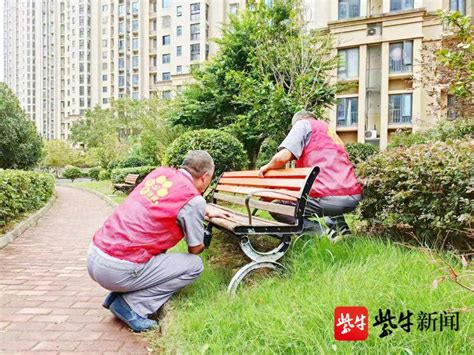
[349,63]
[165,3]
[104,8]
[104,89]
[105,100]
[268,3]
[179,51]
[135,7]
[195,32]
[135,25]
[104,66]
[166,76]
[401,57]
[349,9]
[458,5]
[179,11]
[166,40]
[135,43]
[135,95]
[135,79]
[166,21]
[121,10]
[179,31]
[195,11]
[121,45]
[166,94]
[135,61]
[104,43]
[195,51]
[452,107]
[347,112]
[121,27]
[81,90]
[121,63]
[234,8]
[179,69]
[400,108]
[166,58]
[104,77]
[398,5]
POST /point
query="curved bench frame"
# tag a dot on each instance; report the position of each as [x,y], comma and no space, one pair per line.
[283,232]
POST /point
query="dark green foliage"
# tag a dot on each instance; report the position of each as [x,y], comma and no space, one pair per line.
[425,190]
[104,175]
[445,131]
[118,175]
[72,172]
[268,149]
[94,172]
[227,152]
[130,162]
[20,145]
[21,192]
[360,152]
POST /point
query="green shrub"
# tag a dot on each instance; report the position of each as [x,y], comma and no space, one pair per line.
[104,175]
[94,172]
[360,152]
[425,190]
[267,150]
[227,152]
[445,131]
[72,172]
[21,192]
[118,175]
[129,162]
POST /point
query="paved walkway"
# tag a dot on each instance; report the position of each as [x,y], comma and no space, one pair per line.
[47,300]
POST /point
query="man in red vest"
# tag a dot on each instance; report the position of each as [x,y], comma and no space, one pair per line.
[336,190]
[128,253]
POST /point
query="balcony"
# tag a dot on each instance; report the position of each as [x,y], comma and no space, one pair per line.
[398,67]
[349,122]
[395,117]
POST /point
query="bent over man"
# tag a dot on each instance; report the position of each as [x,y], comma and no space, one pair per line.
[336,190]
[128,253]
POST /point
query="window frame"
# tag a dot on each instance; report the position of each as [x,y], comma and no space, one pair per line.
[347,120]
[391,108]
[350,4]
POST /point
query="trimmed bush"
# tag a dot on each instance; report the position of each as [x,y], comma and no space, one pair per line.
[94,172]
[425,190]
[360,152]
[118,175]
[21,192]
[72,172]
[227,152]
[104,175]
[130,162]
[445,131]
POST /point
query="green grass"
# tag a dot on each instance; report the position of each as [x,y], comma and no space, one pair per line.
[105,187]
[294,313]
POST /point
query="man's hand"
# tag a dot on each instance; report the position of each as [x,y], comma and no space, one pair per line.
[218,214]
[263,170]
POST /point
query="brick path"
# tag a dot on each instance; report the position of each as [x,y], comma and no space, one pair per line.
[48,302]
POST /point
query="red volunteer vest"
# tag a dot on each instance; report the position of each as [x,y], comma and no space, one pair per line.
[145,224]
[326,150]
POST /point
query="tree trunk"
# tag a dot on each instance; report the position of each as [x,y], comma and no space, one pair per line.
[253,148]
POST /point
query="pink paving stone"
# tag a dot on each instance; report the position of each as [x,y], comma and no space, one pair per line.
[45,269]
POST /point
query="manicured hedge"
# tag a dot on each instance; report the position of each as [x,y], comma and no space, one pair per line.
[21,192]
[94,172]
[424,191]
[227,152]
[72,172]
[104,175]
[118,175]
[360,152]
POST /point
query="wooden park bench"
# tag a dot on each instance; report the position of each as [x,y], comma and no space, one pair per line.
[128,185]
[246,188]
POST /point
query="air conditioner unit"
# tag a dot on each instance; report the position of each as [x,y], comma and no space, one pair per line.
[374,30]
[372,134]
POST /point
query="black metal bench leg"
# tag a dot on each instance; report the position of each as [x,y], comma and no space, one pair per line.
[259,260]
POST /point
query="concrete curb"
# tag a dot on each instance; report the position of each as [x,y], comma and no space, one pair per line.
[21,227]
[106,198]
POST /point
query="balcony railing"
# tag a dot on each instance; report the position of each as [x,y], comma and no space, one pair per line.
[350,121]
[396,117]
[397,67]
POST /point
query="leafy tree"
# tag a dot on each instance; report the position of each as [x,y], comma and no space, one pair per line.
[268,66]
[56,154]
[20,144]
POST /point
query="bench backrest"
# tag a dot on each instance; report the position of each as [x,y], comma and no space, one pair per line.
[244,187]
[131,179]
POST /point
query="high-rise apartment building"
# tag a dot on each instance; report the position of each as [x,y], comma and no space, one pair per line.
[382,44]
[141,48]
[65,56]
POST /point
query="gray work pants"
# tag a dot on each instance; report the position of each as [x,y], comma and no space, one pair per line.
[145,286]
[332,208]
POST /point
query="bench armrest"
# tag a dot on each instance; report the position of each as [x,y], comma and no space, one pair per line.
[251,194]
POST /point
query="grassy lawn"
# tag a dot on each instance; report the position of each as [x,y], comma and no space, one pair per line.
[105,187]
[294,313]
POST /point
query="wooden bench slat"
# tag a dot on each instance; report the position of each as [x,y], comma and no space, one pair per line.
[265,183]
[294,172]
[268,194]
[242,219]
[261,205]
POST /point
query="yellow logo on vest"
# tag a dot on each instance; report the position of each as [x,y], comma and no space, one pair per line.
[156,188]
